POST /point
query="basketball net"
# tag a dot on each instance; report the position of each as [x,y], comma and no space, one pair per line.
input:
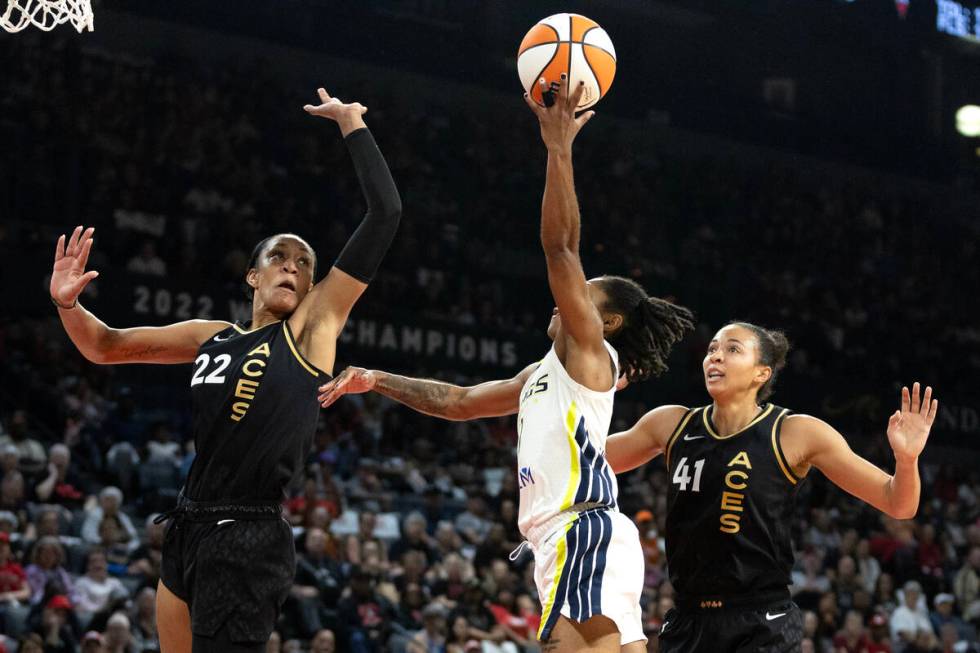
[47,14]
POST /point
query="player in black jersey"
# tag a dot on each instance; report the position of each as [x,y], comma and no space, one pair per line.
[735,467]
[229,558]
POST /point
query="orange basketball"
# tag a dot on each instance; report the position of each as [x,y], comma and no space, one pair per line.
[570,44]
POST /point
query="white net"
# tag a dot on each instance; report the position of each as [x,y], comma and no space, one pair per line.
[47,14]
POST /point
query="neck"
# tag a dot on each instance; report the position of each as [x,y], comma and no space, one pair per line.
[261,317]
[733,416]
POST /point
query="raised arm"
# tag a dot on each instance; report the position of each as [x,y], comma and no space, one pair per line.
[646,440]
[445,400]
[320,318]
[175,343]
[585,359]
[810,441]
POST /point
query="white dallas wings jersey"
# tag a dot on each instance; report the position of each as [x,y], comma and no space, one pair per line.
[562,431]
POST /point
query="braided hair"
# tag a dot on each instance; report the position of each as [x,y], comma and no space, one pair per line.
[651,327]
[773,347]
[253,260]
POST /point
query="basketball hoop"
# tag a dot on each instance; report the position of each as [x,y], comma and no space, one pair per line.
[47,14]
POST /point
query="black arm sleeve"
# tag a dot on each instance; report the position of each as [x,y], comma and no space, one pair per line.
[362,255]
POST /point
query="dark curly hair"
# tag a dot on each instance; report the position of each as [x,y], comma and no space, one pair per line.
[651,327]
[773,348]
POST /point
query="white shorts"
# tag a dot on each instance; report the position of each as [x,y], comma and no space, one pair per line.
[591,565]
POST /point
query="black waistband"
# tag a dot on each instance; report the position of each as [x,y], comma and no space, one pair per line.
[739,601]
[207,510]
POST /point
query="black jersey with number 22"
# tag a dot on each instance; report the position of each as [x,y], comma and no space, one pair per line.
[254,414]
[729,507]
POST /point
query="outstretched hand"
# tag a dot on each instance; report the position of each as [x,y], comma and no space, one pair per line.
[68,277]
[559,125]
[347,115]
[353,380]
[908,428]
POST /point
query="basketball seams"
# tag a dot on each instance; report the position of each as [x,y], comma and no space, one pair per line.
[557,39]
[595,75]
[545,67]
[571,35]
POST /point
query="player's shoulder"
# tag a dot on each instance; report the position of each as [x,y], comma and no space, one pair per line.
[662,422]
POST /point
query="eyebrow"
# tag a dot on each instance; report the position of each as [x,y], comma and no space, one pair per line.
[714,340]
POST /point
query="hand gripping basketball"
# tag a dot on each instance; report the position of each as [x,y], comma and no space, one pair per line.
[353,380]
[559,126]
[69,278]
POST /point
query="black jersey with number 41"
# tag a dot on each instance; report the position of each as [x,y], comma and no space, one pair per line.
[254,414]
[729,507]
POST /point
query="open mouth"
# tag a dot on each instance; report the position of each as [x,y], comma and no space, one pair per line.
[715,374]
[288,285]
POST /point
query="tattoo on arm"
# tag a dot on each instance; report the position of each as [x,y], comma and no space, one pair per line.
[424,395]
[141,352]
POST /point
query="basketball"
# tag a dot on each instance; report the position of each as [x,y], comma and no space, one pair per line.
[571,44]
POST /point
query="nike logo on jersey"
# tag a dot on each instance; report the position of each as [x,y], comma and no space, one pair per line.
[663,627]
[225,521]
[220,339]
[770,617]
[688,438]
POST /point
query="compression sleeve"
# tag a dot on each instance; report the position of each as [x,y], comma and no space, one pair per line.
[364,250]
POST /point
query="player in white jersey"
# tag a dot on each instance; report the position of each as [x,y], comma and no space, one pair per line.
[588,561]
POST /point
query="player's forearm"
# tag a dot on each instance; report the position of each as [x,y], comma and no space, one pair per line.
[559,208]
[903,490]
[89,334]
[366,248]
[424,395]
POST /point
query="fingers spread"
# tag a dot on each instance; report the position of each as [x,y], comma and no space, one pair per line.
[59,248]
[324,96]
[83,255]
[905,399]
[916,397]
[73,240]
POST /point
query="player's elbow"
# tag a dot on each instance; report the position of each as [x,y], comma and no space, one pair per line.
[904,513]
[392,209]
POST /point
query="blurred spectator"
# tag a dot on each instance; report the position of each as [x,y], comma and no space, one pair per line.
[966,585]
[852,638]
[61,485]
[317,585]
[54,629]
[432,637]
[118,636]
[32,457]
[943,615]
[472,523]
[879,642]
[366,614]
[110,504]
[324,642]
[93,642]
[414,538]
[47,574]
[911,617]
[96,590]
[145,637]
[144,562]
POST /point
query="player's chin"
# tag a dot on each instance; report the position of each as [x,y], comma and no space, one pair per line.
[283,304]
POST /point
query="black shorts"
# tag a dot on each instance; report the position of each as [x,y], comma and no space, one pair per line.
[774,626]
[232,565]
